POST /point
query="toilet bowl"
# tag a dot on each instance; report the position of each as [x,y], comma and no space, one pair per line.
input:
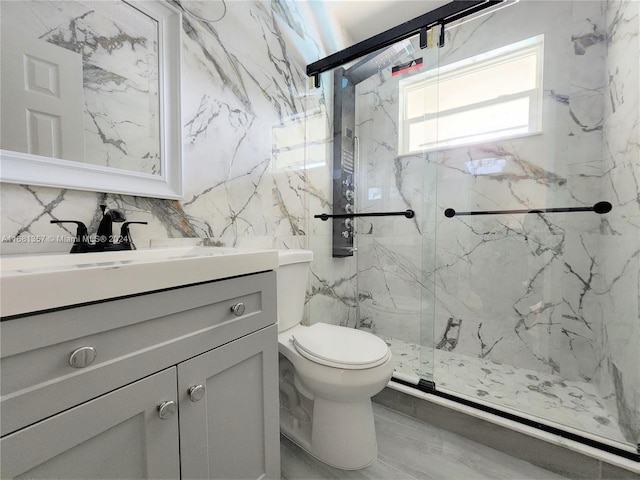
[328,375]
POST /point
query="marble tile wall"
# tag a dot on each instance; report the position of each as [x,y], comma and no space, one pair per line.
[535,292]
[618,257]
[507,279]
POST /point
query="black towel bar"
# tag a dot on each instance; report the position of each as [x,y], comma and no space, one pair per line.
[600,207]
[325,216]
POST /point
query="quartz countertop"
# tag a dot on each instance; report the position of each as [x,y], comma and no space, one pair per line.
[32,283]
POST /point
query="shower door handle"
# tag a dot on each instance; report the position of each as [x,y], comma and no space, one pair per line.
[600,208]
[326,216]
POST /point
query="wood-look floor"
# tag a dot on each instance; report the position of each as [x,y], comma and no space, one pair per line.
[411,449]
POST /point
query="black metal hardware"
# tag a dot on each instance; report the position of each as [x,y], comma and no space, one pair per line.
[344,160]
[600,208]
[125,236]
[104,241]
[325,216]
[443,15]
[431,388]
[424,43]
[104,236]
[81,243]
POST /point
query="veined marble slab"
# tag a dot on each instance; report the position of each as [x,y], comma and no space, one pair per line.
[552,293]
[573,403]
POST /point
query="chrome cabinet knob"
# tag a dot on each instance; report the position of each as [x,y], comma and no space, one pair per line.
[167,409]
[196,393]
[82,357]
[238,309]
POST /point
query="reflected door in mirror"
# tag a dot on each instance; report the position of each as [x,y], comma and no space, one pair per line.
[41,108]
[81,82]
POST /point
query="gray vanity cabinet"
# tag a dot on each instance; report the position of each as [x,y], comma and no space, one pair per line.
[118,435]
[228,426]
[184,384]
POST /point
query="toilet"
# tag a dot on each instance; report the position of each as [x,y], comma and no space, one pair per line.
[328,375]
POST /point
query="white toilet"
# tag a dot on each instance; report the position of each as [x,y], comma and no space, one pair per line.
[328,375]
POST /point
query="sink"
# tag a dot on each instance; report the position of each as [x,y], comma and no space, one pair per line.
[83,260]
[32,283]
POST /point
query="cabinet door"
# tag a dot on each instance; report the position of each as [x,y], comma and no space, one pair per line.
[117,435]
[233,430]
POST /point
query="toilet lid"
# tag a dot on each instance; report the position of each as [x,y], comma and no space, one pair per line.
[340,346]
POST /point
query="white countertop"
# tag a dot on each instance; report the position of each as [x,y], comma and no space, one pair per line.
[31,283]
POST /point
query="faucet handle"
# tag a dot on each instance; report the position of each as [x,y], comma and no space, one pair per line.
[81,243]
[125,235]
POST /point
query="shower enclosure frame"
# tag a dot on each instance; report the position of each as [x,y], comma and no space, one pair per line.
[441,16]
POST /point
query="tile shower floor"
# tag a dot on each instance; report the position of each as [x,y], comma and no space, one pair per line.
[572,403]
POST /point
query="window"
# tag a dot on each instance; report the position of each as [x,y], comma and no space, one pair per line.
[494,95]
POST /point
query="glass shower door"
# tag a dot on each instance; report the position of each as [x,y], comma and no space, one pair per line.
[531,313]
[526,107]
[394,300]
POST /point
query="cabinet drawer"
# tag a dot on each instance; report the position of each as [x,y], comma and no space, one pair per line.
[132,337]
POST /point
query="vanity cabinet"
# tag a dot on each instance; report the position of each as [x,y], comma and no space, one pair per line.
[203,357]
[225,429]
[117,435]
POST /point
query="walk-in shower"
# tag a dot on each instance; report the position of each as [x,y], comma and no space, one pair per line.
[516,283]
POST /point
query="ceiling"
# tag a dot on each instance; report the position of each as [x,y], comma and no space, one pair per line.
[362,19]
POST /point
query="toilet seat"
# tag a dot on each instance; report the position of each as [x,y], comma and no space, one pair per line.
[340,347]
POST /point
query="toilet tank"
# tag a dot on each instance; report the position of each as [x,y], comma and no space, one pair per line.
[292,276]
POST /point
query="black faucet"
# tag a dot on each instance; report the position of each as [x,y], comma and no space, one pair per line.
[81,243]
[125,236]
[104,236]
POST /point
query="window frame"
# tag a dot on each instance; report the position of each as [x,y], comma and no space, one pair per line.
[509,53]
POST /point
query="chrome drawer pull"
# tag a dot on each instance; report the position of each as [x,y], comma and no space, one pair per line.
[196,393]
[82,357]
[238,309]
[167,409]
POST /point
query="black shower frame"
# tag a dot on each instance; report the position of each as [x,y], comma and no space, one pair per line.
[429,387]
[440,16]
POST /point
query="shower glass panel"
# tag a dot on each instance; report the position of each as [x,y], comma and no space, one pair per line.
[537,314]
[527,106]
[394,295]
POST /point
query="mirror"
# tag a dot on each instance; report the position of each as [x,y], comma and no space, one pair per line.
[91,96]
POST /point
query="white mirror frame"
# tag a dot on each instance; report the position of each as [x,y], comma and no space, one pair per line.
[28,169]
